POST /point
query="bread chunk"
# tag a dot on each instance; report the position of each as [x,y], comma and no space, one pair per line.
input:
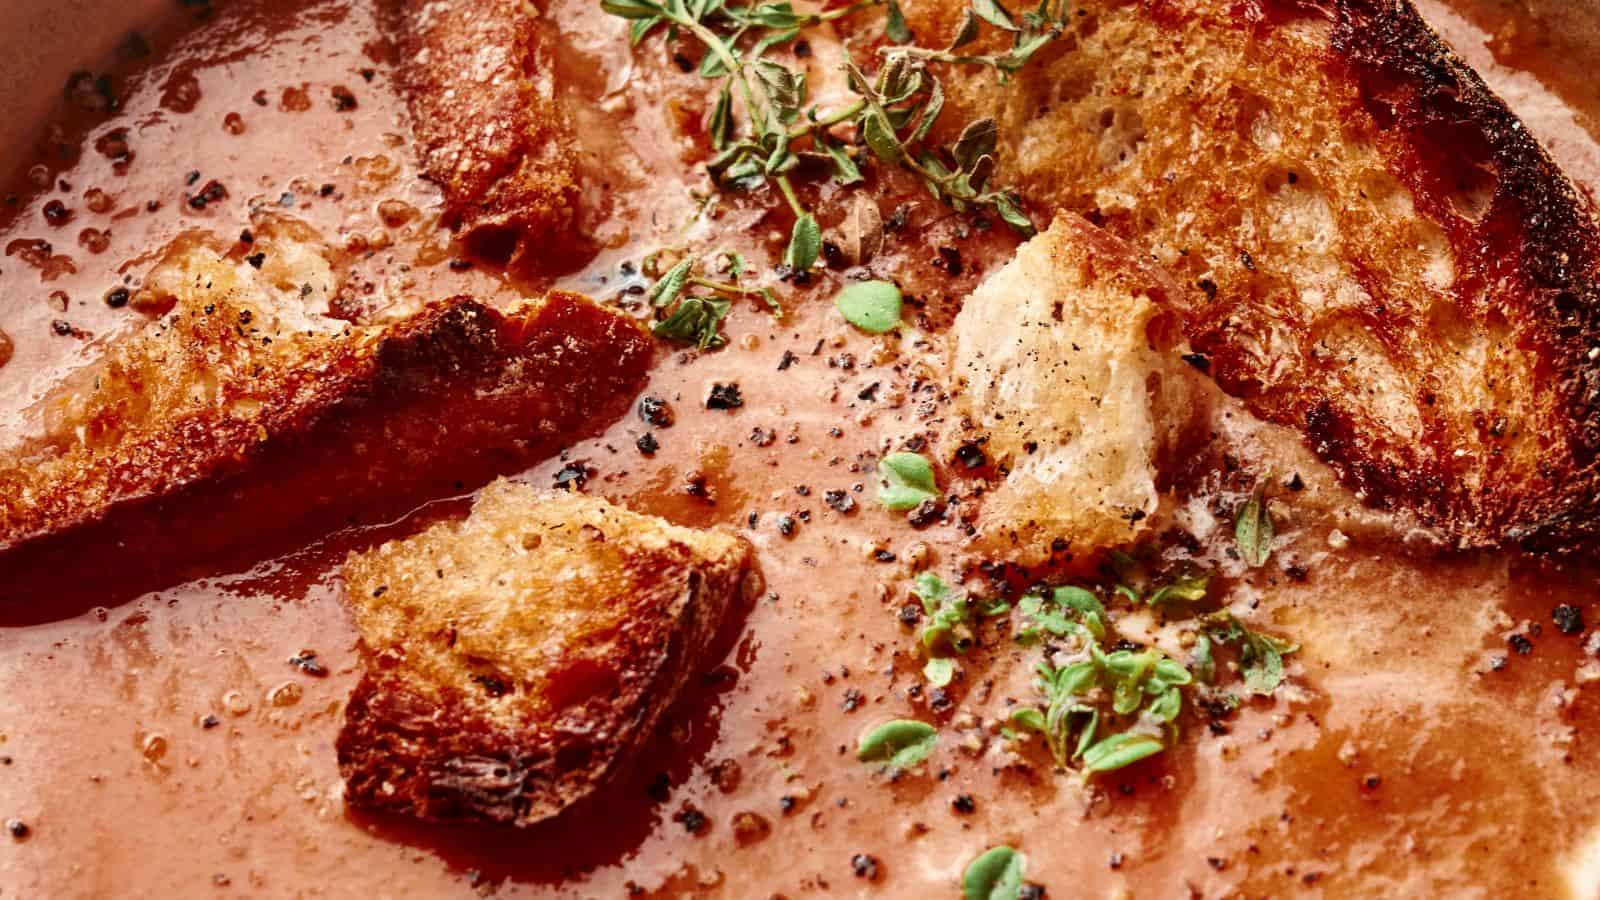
[1372,248]
[1067,370]
[244,414]
[516,660]
[479,79]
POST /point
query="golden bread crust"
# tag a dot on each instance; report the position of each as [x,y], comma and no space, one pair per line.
[514,660]
[1373,249]
[479,79]
[236,417]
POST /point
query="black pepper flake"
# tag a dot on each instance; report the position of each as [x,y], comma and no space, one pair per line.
[1568,618]
[655,411]
[1521,644]
[692,820]
[192,177]
[786,803]
[18,829]
[1209,286]
[786,525]
[647,443]
[1246,260]
[883,556]
[210,721]
[343,99]
[256,259]
[56,213]
[61,327]
[1295,483]
[1115,861]
[1200,361]
[460,265]
[839,501]
[572,474]
[1031,891]
[724,396]
[865,865]
[910,615]
[368,73]
[971,456]
[949,261]
[307,662]
[213,192]
[964,804]
[788,360]
[117,297]
[926,513]
[259,98]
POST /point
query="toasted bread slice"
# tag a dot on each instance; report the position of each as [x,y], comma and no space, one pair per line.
[1068,372]
[515,660]
[479,79]
[243,413]
[1372,248]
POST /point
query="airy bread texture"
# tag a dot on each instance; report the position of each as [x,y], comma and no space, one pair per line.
[243,412]
[1068,371]
[1371,247]
[516,659]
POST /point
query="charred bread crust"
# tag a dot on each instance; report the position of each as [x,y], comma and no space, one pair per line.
[438,731]
[1373,248]
[480,82]
[1536,252]
[357,425]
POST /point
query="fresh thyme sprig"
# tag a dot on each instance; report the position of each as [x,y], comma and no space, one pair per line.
[763,121]
[698,304]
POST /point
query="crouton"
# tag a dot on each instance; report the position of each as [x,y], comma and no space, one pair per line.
[479,79]
[1068,374]
[515,660]
[244,414]
[1372,248]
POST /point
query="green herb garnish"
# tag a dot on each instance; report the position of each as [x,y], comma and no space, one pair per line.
[1120,750]
[949,632]
[939,670]
[1252,528]
[1260,655]
[872,306]
[907,481]
[697,321]
[901,743]
[763,120]
[696,304]
[994,875]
